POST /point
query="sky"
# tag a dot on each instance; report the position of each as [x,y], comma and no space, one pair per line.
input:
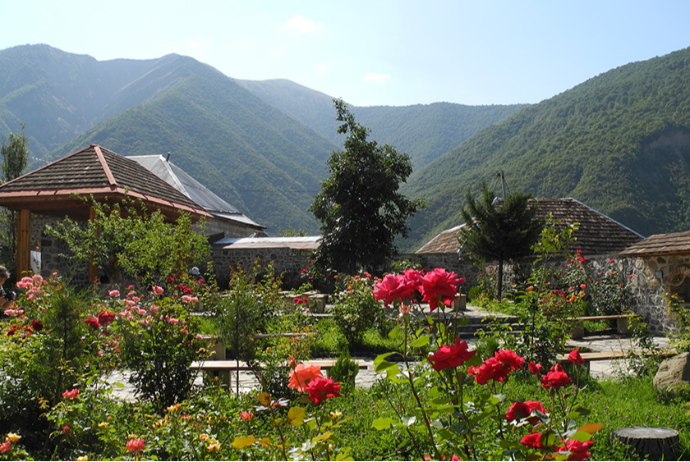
[371,52]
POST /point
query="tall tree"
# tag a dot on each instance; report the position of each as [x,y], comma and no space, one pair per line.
[360,208]
[15,159]
[499,231]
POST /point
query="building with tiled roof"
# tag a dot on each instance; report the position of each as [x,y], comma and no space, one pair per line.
[660,245]
[227,220]
[597,234]
[59,188]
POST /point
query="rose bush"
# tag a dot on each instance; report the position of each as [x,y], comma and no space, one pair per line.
[446,420]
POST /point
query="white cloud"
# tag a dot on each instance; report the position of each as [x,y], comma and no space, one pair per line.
[322,68]
[373,77]
[198,43]
[302,24]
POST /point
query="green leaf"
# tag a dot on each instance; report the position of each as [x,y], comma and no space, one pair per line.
[393,334]
[420,342]
[383,423]
[581,437]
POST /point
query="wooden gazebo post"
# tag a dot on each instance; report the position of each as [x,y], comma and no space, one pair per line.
[93,269]
[23,243]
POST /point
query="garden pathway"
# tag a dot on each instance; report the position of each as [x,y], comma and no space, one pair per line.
[366,377]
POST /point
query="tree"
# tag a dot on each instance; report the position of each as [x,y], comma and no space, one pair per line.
[360,208]
[499,232]
[15,159]
[125,236]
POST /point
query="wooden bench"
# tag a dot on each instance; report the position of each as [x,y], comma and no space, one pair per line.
[222,369]
[622,323]
[217,346]
[612,355]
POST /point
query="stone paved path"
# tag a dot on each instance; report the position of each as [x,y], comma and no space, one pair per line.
[366,377]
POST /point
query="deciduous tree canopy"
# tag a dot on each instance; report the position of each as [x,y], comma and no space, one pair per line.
[360,207]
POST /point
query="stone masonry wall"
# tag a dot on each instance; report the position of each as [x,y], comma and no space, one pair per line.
[648,286]
[289,262]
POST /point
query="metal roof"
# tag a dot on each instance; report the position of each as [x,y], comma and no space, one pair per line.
[191,188]
[298,243]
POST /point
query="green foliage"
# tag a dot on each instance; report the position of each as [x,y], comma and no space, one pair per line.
[126,237]
[360,207]
[45,349]
[355,309]
[499,232]
[290,232]
[345,371]
[159,343]
[15,159]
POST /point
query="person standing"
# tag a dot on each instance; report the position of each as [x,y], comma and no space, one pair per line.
[6,299]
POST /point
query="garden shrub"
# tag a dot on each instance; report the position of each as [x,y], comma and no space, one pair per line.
[159,342]
[45,348]
[355,309]
[345,371]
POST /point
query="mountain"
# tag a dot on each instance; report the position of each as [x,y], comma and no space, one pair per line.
[60,95]
[263,162]
[424,131]
[619,142]
[260,160]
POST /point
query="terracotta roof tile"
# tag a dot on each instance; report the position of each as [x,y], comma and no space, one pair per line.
[95,168]
[660,244]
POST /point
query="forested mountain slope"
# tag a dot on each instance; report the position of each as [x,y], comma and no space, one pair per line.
[60,95]
[263,162]
[619,142]
[424,131]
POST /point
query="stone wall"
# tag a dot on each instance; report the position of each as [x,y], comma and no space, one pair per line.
[648,286]
[289,262]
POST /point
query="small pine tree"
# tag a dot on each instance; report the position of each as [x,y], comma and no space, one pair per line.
[501,232]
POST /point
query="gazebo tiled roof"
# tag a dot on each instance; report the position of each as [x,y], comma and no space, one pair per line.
[660,245]
[597,234]
[95,171]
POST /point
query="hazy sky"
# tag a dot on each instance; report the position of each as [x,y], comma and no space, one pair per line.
[370,52]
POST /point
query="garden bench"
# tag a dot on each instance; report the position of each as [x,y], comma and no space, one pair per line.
[222,369]
[622,323]
[611,355]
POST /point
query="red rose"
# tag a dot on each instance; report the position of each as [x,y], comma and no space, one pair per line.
[534,368]
[451,355]
[439,284]
[396,287]
[105,318]
[532,441]
[320,389]
[522,410]
[490,369]
[36,325]
[578,450]
[498,367]
[575,358]
[510,359]
[92,322]
[555,379]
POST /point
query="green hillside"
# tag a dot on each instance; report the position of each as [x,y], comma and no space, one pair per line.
[58,95]
[619,142]
[424,131]
[258,159]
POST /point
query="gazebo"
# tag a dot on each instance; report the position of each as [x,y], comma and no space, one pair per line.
[60,188]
